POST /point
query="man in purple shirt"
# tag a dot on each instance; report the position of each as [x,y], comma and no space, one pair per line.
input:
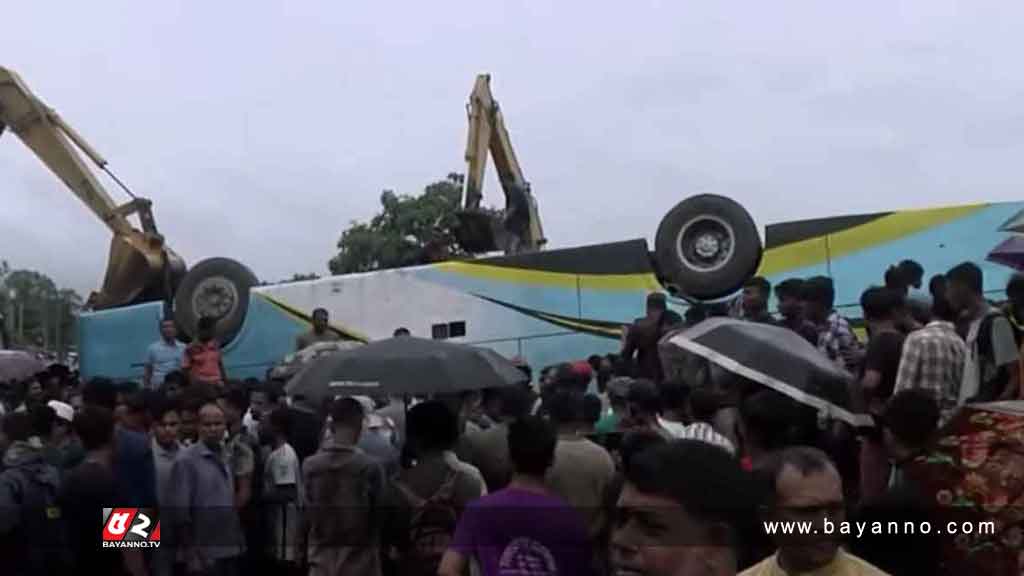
[522,529]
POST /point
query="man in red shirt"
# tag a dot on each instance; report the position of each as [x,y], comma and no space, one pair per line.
[203,360]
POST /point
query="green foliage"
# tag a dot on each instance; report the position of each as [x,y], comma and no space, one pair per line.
[409,230]
[297,277]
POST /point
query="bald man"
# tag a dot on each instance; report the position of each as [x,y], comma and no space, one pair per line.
[203,500]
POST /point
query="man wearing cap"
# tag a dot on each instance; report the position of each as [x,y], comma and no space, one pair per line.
[63,448]
[618,393]
[641,338]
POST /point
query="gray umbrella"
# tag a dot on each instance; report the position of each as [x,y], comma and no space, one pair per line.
[404,365]
[770,355]
[18,365]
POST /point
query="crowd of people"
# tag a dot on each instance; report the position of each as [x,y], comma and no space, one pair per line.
[603,466]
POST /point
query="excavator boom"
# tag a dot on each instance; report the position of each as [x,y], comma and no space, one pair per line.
[520,229]
[140,266]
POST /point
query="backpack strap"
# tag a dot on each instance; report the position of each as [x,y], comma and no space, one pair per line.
[15,478]
[447,489]
[444,492]
[984,337]
[414,499]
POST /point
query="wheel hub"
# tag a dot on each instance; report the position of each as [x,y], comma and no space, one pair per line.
[707,246]
[215,297]
[705,243]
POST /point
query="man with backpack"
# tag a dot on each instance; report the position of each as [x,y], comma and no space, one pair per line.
[991,371]
[30,522]
[435,490]
[344,489]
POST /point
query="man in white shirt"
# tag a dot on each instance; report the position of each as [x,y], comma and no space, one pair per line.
[991,371]
[282,493]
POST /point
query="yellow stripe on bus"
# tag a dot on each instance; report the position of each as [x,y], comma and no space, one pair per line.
[614,282]
[868,235]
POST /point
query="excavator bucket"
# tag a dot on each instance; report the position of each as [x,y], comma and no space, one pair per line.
[478,232]
[137,271]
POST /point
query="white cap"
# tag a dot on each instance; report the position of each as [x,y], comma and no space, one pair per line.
[64,411]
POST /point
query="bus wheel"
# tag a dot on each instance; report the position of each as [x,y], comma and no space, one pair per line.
[216,287]
[707,246]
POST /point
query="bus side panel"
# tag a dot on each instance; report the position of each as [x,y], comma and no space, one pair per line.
[620,304]
[372,306]
[544,293]
[267,336]
[424,299]
[568,346]
[113,343]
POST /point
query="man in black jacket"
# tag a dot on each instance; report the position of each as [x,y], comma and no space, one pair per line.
[642,338]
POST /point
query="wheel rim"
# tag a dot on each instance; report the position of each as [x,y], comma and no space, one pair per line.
[214,297]
[705,243]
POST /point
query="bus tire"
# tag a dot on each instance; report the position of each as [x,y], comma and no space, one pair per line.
[706,247]
[217,287]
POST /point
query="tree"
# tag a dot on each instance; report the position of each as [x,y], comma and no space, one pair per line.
[37,312]
[409,230]
[298,277]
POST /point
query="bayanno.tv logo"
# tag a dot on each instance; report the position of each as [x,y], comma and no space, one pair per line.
[131,528]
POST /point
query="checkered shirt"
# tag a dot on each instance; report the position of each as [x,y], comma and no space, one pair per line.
[933,359]
[837,341]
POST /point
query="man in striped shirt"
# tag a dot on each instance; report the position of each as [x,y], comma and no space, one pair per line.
[703,405]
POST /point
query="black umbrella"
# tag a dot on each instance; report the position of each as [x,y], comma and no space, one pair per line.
[295,362]
[770,355]
[404,365]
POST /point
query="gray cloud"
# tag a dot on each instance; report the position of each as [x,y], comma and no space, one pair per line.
[260,129]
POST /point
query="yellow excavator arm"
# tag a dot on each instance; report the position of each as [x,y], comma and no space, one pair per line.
[140,266]
[521,229]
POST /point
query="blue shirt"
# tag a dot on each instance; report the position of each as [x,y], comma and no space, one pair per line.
[202,499]
[134,469]
[164,358]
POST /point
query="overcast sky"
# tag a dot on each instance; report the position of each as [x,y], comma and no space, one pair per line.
[261,128]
